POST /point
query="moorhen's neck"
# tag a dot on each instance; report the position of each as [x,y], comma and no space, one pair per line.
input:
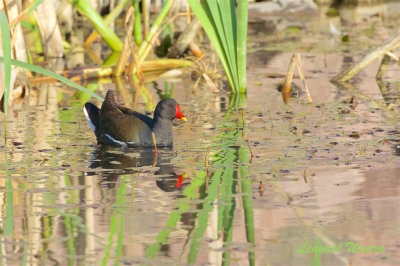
[162,128]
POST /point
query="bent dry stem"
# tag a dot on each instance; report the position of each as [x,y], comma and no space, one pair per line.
[350,72]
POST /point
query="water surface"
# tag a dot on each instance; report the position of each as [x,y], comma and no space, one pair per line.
[279,178]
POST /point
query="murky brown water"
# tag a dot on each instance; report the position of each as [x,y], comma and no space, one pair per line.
[329,172]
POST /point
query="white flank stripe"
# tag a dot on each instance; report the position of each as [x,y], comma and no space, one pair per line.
[91,125]
[123,144]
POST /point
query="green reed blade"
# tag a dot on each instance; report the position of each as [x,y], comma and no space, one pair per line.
[183,205]
[241,43]
[9,219]
[138,25]
[228,17]
[222,207]
[5,36]
[202,220]
[85,9]
[211,31]
[144,47]
[228,34]
[117,222]
[247,199]
[25,254]
[69,229]
[116,11]
[229,182]
[51,74]
[216,15]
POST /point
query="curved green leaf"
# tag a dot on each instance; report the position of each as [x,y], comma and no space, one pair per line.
[51,74]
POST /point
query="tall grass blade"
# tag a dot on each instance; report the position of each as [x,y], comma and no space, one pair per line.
[212,34]
[228,15]
[241,43]
[69,230]
[138,25]
[203,216]
[229,181]
[247,199]
[9,219]
[46,72]
[114,13]
[117,223]
[6,44]
[144,48]
[183,205]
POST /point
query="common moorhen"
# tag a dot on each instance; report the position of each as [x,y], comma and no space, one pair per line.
[119,126]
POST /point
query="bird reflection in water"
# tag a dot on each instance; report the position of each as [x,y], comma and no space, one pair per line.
[109,163]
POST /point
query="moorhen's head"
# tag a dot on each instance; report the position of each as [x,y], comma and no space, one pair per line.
[168,109]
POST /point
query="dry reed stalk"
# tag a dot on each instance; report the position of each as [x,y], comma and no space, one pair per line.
[123,91]
[301,73]
[209,82]
[305,176]
[184,39]
[94,57]
[261,188]
[195,49]
[89,40]
[151,42]
[153,136]
[383,67]
[207,160]
[134,66]
[188,14]
[137,91]
[287,84]
[146,16]
[49,29]
[250,150]
[126,49]
[270,119]
[164,64]
[392,55]
[350,72]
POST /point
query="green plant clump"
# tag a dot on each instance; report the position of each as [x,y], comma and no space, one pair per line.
[228,34]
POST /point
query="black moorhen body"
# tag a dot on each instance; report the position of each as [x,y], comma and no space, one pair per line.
[119,126]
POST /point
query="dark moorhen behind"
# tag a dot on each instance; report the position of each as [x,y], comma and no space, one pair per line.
[119,126]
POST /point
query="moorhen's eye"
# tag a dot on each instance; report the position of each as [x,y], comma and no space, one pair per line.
[171,107]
